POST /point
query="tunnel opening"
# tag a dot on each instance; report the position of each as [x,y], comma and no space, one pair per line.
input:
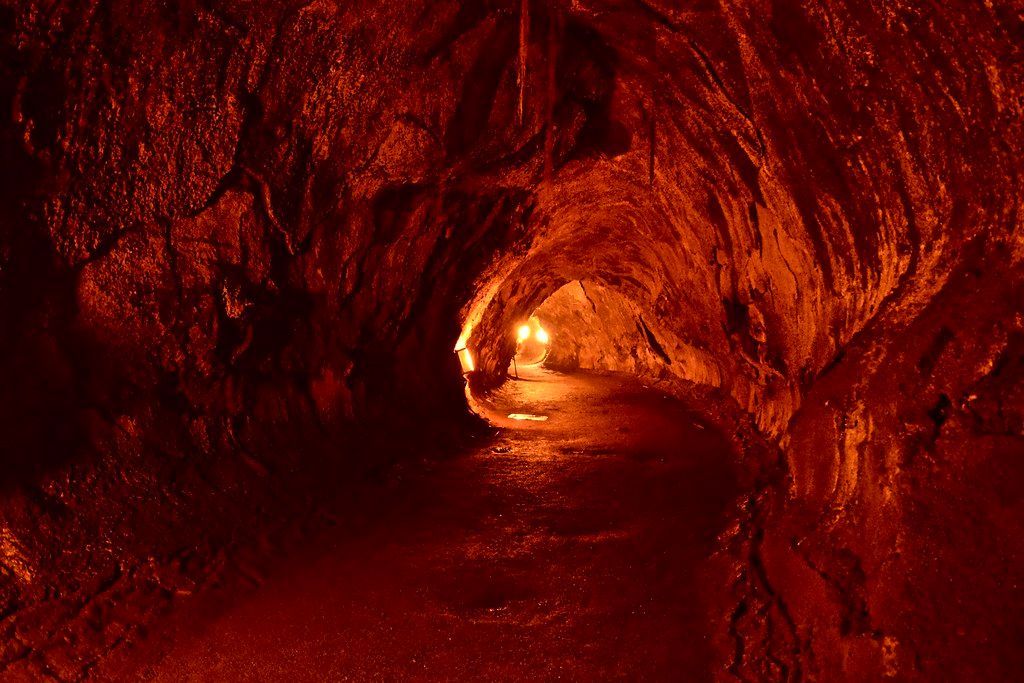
[582,325]
[595,328]
[532,346]
[554,334]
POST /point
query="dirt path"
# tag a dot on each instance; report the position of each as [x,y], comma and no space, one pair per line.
[575,547]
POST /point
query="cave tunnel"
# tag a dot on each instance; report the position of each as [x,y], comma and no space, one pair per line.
[268,411]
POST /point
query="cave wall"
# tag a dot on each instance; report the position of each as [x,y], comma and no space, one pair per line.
[592,328]
[231,233]
[232,229]
[905,510]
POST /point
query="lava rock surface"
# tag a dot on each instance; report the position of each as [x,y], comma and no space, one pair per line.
[237,237]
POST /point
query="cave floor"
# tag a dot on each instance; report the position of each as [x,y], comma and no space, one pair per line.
[580,547]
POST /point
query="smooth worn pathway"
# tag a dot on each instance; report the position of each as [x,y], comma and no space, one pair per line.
[576,547]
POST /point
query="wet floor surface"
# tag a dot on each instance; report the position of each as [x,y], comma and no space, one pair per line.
[581,547]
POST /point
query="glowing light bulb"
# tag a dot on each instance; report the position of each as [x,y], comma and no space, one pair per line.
[524,332]
[541,335]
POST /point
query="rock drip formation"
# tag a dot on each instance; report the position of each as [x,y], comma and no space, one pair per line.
[237,235]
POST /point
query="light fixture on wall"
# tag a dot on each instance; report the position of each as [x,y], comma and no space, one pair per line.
[466,360]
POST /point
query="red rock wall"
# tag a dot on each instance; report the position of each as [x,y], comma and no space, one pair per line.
[592,328]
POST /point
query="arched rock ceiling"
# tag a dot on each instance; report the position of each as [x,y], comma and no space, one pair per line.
[761,177]
[790,168]
[228,223]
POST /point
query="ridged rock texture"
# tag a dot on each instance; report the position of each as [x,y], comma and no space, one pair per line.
[593,328]
[234,231]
